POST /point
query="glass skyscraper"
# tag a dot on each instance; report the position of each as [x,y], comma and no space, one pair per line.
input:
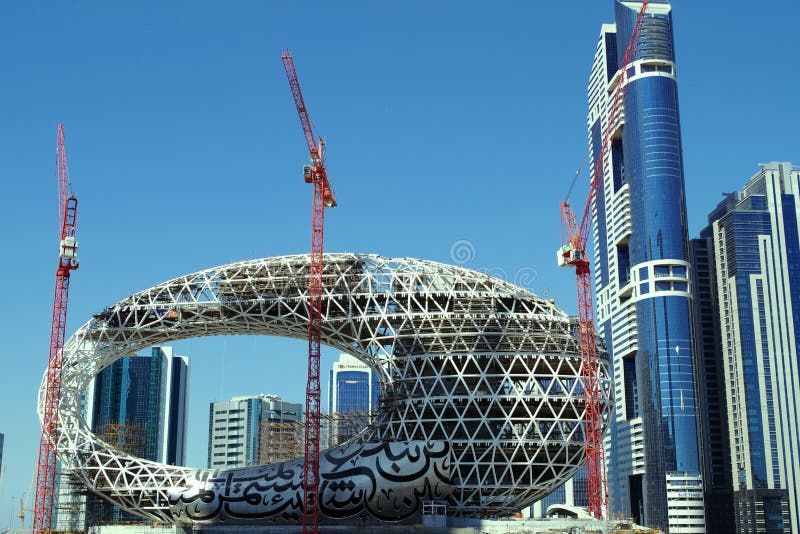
[139,405]
[353,394]
[747,296]
[715,456]
[145,397]
[642,282]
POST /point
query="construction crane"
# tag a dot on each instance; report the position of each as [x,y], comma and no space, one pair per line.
[573,254]
[21,513]
[48,406]
[322,198]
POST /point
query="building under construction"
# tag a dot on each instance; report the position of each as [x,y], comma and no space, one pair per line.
[283,441]
[481,402]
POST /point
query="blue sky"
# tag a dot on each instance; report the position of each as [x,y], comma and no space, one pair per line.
[444,121]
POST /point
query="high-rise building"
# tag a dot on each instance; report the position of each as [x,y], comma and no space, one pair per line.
[353,396]
[715,453]
[748,297]
[642,277]
[238,428]
[139,405]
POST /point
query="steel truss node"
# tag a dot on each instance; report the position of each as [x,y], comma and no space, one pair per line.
[464,358]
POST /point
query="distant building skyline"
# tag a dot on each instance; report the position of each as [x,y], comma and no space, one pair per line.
[748,299]
[642,280]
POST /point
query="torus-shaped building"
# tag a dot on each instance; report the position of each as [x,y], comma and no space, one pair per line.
[481,399]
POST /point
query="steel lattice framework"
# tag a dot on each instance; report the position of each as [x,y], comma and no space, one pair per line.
[462,356]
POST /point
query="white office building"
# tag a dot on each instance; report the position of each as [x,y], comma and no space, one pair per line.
[236,428]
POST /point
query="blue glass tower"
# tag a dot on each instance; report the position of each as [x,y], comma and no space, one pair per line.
[356,391]
[750,288]
[147,394]
[353,396]
[140,406]
[642,277]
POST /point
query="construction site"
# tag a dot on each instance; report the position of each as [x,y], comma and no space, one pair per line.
[491,397]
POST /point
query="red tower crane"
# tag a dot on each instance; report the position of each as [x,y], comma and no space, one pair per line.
[573,254]
[67,262]
[322,198]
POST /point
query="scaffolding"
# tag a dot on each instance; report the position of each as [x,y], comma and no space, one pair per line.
[280,441]
[128,439]
[342,427]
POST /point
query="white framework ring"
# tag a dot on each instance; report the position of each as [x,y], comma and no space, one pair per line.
[464,358]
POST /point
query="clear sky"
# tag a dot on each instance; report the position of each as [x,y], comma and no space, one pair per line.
[445,121]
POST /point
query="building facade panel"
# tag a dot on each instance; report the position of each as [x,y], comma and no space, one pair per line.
[711,391]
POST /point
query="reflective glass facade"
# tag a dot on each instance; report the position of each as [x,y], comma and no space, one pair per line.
[140,406]
[751,333]
[353,391]
[643,278]
[126,403]
[353,395]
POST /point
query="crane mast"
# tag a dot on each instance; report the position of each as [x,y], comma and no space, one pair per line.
[67,262]
[573,254]
[322,198]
